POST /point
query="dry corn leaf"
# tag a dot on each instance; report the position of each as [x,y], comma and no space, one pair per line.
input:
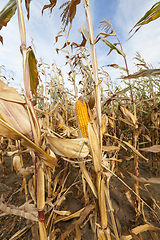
[88,178]
[145,227]
[110,148]
[154,149]
[71,148]
[78,222]
[68,130]
[11,209]
[144,180]
[129,145]
[49,161]
[117,93]
[26,171]
[16,116]
[125,121]
[129,197]
[111,123]
[126,157]
[104,123]
[60,118]
[147,137]
[153,235]
[21,232]
[95,148]
[139,229]
[10,94]
[7,131]
[128,237]
[62,213]
[50,6]
[30,208]
[128,115]
[135,150]
[143,73]
[31,190]
[72,11]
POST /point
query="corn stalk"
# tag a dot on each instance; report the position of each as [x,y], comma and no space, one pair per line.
[33,120]
[95,134]
[95,68]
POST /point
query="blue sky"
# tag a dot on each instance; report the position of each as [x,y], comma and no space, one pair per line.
[123,15]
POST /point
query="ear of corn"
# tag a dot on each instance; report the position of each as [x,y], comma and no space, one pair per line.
[82,116]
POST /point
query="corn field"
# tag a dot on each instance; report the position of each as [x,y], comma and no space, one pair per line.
[86,161]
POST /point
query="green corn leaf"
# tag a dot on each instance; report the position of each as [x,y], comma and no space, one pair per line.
[149,16]
[113,47]
[6,14]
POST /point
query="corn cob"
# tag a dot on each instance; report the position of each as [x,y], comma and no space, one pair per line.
[82,116]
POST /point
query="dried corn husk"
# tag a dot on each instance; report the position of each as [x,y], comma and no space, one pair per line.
[17,163]
[71,148]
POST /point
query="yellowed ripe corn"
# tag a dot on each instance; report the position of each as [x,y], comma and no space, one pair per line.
[82,116]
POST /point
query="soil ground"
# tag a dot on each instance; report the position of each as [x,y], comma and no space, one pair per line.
[125,215]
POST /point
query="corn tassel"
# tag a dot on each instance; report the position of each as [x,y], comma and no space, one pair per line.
[82,116]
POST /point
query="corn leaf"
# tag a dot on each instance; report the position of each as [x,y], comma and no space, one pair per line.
[18,211]
[78,222]
[7,131]
[149,16]
[51,5]
[144,180]
[6,14]
[85,33]
[16,116]
[113,47]
[139,229]
[143,73]
[153,149]
[10,94]
[128,115]
[27,3]
[33,73]
[110,148]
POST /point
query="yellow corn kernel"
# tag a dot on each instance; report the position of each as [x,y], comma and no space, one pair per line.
[82,116]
